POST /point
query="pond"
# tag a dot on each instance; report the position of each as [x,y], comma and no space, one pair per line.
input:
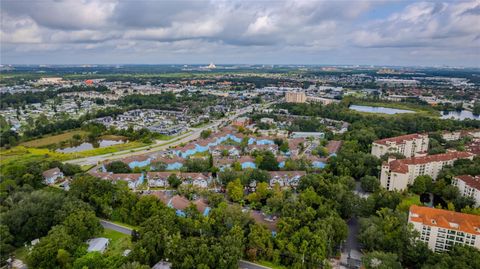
[459,115]
[380,109]
[87,145]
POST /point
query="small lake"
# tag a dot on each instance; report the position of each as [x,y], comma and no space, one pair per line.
[87,146]
[380,109]
[459,115]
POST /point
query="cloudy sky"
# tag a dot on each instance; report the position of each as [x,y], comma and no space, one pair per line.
[240,31]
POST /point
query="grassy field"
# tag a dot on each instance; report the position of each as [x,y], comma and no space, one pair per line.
[25,154]
[49,140]
[118,242]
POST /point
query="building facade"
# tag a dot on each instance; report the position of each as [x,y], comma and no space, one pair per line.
[295,97]
[398,174]
[468,186]
[442,229]
[408,145]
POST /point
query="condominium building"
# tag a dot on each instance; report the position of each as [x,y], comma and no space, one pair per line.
[441,229]
[295,97]
[468,186]
[410,145]
[398,174]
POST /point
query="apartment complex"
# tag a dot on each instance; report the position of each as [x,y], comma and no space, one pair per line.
[441,229]
[408,145]
[295,97]
[398,174]
[468,186]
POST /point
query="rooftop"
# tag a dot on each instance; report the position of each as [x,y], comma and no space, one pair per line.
[472,181]
[445,219]
[399,139]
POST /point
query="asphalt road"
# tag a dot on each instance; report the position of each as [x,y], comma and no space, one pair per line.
[248,265]
[162,145]
[116,227]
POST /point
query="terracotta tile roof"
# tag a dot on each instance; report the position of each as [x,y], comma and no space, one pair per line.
[333,146]
[262,147]
[179,202]
[138,158]
[162,175]
[401,166]
[223,161]
[294,143]
[163,196]
[259,218]
[126,177]
[196,175]
[246,159]
[171,160]
[399,139]
[445,219]
[472,181]
[51,172]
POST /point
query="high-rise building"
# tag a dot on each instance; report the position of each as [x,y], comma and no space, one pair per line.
[295,97]
[441,229]
[398,174]
[410,145]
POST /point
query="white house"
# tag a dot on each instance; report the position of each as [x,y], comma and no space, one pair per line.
[98,244]
[51,176]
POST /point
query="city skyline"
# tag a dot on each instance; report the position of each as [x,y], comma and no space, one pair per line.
[380,33]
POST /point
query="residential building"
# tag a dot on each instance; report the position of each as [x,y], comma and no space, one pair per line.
[441,229]
[295,97]
[319,135]
[408,145]
[468,186]
[398,174]
[241,121]
[452,136]
[286,178]
[98,244]
[322,100]
[51,176]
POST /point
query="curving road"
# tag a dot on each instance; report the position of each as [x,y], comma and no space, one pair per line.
[162,145]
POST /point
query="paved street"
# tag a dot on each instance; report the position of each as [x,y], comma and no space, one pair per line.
[162,145]
[116,227]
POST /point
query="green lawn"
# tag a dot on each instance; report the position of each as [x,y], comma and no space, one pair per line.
[118,242]
[21,254]
[411,199]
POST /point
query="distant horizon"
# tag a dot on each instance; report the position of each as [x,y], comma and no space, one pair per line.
[86,65]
